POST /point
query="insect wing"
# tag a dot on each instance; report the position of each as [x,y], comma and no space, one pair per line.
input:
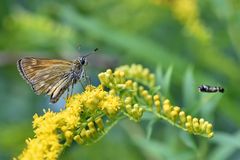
[46,76]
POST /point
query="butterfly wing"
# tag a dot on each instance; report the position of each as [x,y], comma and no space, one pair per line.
[46,76]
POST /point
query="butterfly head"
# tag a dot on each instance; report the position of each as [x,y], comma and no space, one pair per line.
[83,59]
[203,88]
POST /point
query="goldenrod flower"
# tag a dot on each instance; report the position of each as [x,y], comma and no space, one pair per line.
[186,11]
[90,115]
[139,73]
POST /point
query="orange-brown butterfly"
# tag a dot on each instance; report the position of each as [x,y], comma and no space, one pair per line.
[52,76]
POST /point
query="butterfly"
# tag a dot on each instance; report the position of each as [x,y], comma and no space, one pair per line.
[52,76]
[210,89]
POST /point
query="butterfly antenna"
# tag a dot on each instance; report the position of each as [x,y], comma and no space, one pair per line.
[95,51]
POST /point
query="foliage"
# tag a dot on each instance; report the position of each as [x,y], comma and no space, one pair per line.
[192,43]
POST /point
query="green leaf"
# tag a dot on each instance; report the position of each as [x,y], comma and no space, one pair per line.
[150,127]
[188,140]
[167,80]
[147,116]
[153,149]
[221,153]
[189,90]
[155,90]
[222,138]
[208,105]
[222,8]
[159,75]
[227,144]
[186,155]
[164,79]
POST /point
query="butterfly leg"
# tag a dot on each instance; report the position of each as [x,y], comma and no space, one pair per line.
[82,85]
[67,93]
[72,89]
[86,78]
[68,90]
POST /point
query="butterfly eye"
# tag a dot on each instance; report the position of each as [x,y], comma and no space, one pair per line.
[83,61]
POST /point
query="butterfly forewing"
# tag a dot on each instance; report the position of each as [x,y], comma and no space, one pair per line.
[46,76]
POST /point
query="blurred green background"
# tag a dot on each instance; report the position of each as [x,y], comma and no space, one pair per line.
[186,43]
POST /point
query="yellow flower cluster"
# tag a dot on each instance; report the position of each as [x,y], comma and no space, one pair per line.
[140,74]
[125,77]
[46,144]
[118,81]
[146,96]
[90,131]
[112,80]
[80,121]
[94,103]
[186,11]
[90,115]
[178,117]
[134,111]
[96,99]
